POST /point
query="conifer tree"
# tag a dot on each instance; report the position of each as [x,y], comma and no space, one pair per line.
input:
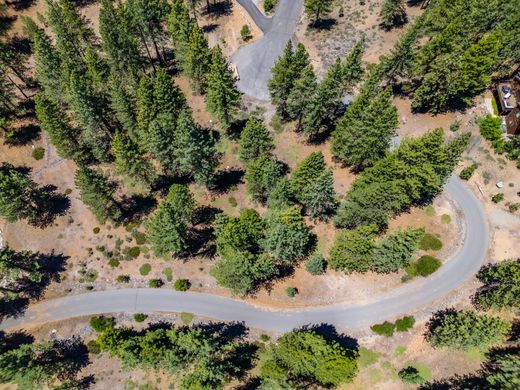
[97,69]
[353,66]
[179,26]
[286,236]
[167,96]
[97,192]
[124,107]
[160,142]
[48,63]
[62,135]
[401,59]
[19,272]
[146,107]
[319,196]
[255,139]
[281,196]
[198,59]
[318,9]
[261,176]
[306,172]
[129,159]
[363,139]
[393,14]
[222,97]
[197,150]
[167,228]
[302,95]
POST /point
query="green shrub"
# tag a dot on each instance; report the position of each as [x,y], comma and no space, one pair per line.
[490,127]
[38,153]
[430,242]
[514,207]
[96,230]
[384,329]
[168,273]
[494,105]
[133,252]
[232,201]
[269,5]
[140,238]
[145,269]
[245,33]
[427,265]
[182,285]
[101,323]
[123,278]
[497,198]
[315,265]
[404,324]
[93,347]
[90,276]
[140,317]
[114,263]
[68,191]
[155,283]
[445,218]
[291,291]
[467,172]
[411,375]
[455,125]
[411,269]
[265,338]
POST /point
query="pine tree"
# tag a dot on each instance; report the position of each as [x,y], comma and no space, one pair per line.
[286,236]
[198,60]
[124,107]
[353,249]
[401,59]
[198,155]
[306,172]
[160,142]
[319,196]
[167,228]
[179,26]
[167,96]
[129,159]
[318,9]
[222,97]
[362,140]
[353,66]
[48,63]
[19,271]
[302,95]
[20,197]
[281,196]
[393,14]
[62,135]
[255,139]
[97,192]
[146,107]
[119,43]
[261,176]
[98,70]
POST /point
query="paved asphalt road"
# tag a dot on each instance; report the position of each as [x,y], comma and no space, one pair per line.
[255,61]
[403,300]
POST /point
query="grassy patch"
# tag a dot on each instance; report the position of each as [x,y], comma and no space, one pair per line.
[445,218]
[399,350]
[430,242]
[473,354]
[367,357]
[168,273]
[375,375]
[145,269]
[186,318]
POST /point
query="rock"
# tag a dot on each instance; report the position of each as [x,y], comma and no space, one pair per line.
[500,184]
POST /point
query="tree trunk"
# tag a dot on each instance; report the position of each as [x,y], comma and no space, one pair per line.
[17,86]
[143,39]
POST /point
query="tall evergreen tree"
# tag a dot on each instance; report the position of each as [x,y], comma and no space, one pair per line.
[316,10]
[306,173]
[393,13]
[198,59]
[129,159]
[97,192]
[302,95]
[167,228]
[124,107]
[222,97]
[255,139]
[261,176]
[361,140]
[160,142]
[319,197]
[63,136]
[18,272]
[179,26]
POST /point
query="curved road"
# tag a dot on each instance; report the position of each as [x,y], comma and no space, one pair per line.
[402,300]
[255,60]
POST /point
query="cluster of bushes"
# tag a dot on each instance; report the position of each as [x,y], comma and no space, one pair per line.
[387,328]
[467,172]
[424,266]
[491,129]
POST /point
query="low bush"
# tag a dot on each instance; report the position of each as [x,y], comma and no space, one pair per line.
[101,323]
[123,278]
[315,265]
[96,230]
[140,317]
[145,269]
[490,127]
[186,318]
[384,329]
[445,218]
[93,347]
[404,324]
[411,375]
[133,252]
[182,285]
[232,201]
[467,172]
[38,153]
[427,265]
[455,125]
[269,5]
[430,242]
[291,291]
[265,338]
[245,33]
[155,283]
[168,273]
[514,207]
[140,238]
[497,198]
[114,263]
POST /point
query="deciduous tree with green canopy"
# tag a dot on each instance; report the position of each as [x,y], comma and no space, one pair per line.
[97,192]
[222,96]
[303,358]
[167,228]
[255,139]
